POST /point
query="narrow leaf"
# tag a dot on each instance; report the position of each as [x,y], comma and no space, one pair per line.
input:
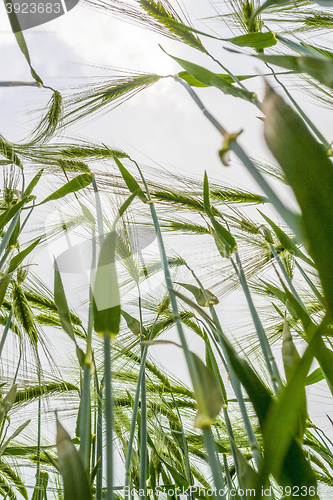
[106,297]
[61,303]
[16,261]
[131,183]
[255,40]
[79,182]
[213,79]
[76,482]
[310,174]
[210,405]
[20,39]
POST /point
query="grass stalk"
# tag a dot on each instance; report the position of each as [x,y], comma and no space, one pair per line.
[234,382]
[85,418]
[99,440]
[108,416]
[269,358]
[143,427]
[288,216]
[311,284]
[286,275]
[215,464]
[309,123]
[134,418]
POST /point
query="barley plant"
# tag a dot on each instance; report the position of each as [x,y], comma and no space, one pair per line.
[87,412]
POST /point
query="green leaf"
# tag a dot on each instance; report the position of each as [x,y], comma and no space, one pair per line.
[131,183]
[106,297]
[210,404]
[16,261]
[87,213]
[224,240]
[290,354]
[79,182]
[247,476]
[206,195]
[7,402]
[320,68]
[291,359]
[61,303]
[255,40]
[196,83]
[10,213]
[286,241]
[33,183]
[209,79]
[280,424]
[76,482]
[132,323]
[13,435]
[200,296]
[4,281]
[310,174]
[20,40]
[314,377]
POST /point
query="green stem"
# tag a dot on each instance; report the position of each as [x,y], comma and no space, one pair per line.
[300,111]
[187,353]
[98,210]
[269,358]
[134,418]
[234,382]
[311,284]
[108,416]
[287,215]
[286,276]
[214,463]
[85,418]
[143,427]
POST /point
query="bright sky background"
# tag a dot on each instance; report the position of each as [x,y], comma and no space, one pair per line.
[160,124]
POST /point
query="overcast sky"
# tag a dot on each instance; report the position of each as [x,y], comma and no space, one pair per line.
[160,124]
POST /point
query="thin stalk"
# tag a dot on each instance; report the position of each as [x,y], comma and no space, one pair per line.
[5,331]
[85,417]
[98,210]
[187,353]
[310,283]
[287,215]
[99,441]
[19,362]
[135,412]
[286,275]
[300,111]
[39,428]
[108,416]
[134,418]
[214,462]
[186,454]
[234,382]
[269,358]
[143,427]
